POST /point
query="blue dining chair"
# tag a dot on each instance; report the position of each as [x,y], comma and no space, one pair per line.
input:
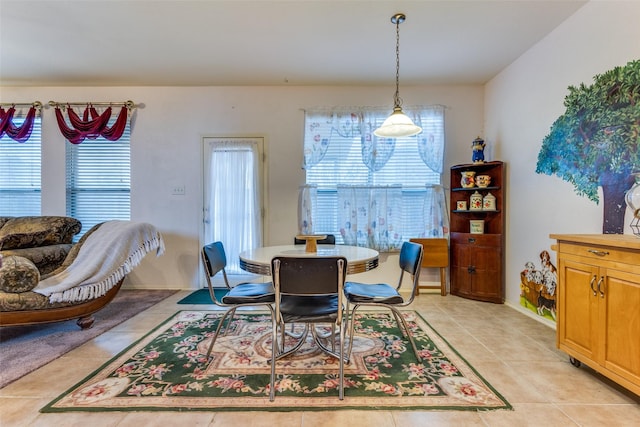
[385,295]
[214,260]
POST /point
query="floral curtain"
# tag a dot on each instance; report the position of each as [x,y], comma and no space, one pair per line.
[362,121]
[370,216]
[376,152]
[436,213]
[306,200]
[431,139]
[17,133]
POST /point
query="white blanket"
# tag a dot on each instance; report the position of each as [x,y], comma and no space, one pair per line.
[105,257]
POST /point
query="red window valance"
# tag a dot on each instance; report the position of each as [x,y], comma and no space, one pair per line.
[18,133]
[92,124]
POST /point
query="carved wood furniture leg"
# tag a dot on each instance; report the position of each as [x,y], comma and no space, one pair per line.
[85,322]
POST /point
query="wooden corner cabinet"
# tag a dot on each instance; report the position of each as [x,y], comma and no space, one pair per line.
[477,233]
[598,304]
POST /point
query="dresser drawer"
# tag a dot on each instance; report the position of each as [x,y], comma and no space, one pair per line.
[600,253]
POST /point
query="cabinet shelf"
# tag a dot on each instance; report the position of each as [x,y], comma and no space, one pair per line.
[476,212]
[475,188]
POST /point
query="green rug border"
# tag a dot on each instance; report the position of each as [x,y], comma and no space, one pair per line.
[49,409]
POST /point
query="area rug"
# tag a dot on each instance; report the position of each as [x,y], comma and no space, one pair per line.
[24,349]
[168,370]
[202,296]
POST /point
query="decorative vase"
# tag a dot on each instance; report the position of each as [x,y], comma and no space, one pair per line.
[475,202]
[468,179]
[632,199]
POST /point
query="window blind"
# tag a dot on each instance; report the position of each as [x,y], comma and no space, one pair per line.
[98,180]
[20,173]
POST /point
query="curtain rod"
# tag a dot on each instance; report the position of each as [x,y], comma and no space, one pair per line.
[128,104]
[36,104]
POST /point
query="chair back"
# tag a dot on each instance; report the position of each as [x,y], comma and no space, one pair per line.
[329,240]
[410,262]
[320,279]
[309,275]
[214,260]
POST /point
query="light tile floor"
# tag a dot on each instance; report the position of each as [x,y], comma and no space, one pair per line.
[514,352]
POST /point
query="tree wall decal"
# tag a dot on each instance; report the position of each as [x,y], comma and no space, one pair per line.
[596,142]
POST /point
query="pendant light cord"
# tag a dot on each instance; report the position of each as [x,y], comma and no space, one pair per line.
[397,102]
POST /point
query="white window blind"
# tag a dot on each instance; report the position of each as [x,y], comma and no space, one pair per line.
[342,164]
[20,173]
[98,179]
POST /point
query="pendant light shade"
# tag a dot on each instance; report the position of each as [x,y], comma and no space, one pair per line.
[397,124]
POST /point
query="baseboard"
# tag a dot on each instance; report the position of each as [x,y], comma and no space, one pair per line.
[528,313]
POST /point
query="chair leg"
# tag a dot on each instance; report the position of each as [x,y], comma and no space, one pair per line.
[274,345]
[351,328]
[229,314]
[341,362]
[403,325]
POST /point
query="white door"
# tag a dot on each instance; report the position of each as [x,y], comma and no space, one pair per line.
[233,195]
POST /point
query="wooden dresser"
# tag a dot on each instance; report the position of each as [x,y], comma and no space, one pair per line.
[598,303]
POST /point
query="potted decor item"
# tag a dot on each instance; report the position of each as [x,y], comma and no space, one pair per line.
[632,199]
[468,179]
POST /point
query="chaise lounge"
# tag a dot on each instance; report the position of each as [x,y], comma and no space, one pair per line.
[46,278]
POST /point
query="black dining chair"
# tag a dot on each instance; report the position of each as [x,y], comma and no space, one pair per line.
[329,240]
[308,290]
[214,260]
[385,295]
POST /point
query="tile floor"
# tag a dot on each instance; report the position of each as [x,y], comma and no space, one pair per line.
[515,353]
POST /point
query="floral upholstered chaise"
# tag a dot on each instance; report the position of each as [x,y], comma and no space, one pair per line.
[46,278]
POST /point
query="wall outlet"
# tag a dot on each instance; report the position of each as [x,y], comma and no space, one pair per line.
[179,190]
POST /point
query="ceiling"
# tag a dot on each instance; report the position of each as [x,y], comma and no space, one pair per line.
[266,42]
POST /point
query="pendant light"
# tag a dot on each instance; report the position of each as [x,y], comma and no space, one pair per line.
[397,124]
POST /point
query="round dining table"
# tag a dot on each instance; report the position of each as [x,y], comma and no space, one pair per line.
[258,260]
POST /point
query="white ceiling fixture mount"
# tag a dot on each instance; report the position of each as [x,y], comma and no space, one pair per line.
[397,124]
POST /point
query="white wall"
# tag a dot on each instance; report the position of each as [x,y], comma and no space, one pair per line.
[521,104]
[166,151]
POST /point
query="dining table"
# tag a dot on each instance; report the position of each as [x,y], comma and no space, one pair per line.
[258,260]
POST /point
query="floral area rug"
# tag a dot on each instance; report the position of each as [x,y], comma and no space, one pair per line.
[168,370]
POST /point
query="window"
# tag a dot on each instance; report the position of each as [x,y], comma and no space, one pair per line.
[20,168]
[342,156]
[98,180]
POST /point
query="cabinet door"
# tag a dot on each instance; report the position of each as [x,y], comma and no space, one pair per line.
[577,326]
[487,276]
[620,324]
[476,266]
[460,262]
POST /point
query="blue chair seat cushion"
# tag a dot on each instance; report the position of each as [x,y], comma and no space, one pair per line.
[248,293]
[380,293]
[309,308]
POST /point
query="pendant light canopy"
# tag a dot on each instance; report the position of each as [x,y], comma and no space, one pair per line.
[397,124]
